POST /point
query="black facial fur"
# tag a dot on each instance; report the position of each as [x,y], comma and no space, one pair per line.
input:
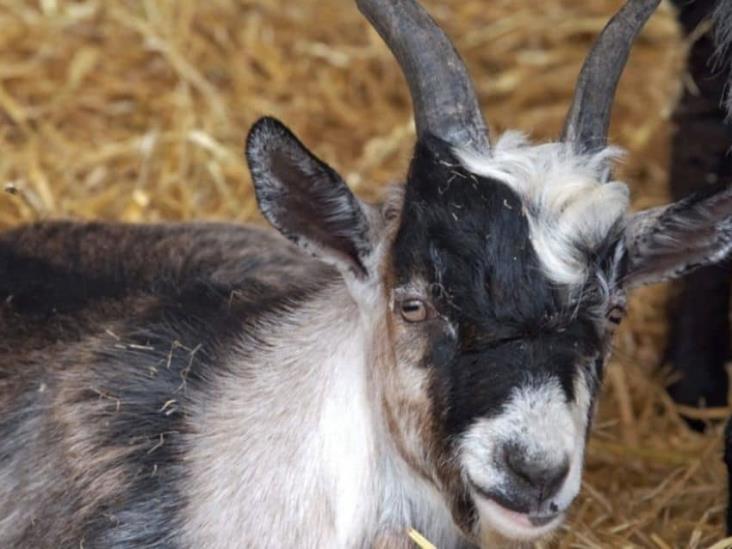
[468,238]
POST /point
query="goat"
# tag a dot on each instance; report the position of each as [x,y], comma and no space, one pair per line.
[431,361]
[698,346]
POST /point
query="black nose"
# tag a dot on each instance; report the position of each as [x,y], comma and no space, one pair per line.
[533,475]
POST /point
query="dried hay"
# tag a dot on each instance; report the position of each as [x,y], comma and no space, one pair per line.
[136,110]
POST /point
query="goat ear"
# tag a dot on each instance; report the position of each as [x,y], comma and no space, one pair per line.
[305,199]
[667,242]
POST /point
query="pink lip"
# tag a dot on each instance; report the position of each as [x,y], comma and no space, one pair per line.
[519,526]
[523,519]
[519,518]
[513,524]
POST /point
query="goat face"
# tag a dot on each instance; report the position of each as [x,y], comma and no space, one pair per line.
[510,357]
[519,263]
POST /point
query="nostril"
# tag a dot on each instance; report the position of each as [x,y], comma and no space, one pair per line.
[554,480]
[545,479]
[519,465]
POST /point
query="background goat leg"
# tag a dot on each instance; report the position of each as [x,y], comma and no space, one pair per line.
[728,462]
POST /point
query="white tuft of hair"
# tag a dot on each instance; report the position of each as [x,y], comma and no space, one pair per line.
[570,205]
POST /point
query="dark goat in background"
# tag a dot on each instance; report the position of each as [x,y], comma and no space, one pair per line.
[701,155]
[699,316]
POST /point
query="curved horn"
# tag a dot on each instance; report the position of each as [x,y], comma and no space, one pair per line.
[589,116]
[442,93]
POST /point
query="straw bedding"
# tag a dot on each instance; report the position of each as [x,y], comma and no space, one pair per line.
[136,110]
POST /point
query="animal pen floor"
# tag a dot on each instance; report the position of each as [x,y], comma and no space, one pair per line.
[136,110]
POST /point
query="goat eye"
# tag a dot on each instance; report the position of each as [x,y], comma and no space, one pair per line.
[414,310]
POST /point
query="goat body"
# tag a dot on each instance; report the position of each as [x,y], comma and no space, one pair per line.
[184,384]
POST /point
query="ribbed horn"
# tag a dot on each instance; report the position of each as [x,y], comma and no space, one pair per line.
[589,116]
[443,98]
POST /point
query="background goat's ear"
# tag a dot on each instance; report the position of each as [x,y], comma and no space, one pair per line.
[668,242]
[305,199]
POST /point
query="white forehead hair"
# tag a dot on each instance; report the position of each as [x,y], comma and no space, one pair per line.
[569,206]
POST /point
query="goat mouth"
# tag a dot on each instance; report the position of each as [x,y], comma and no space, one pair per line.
[509,521]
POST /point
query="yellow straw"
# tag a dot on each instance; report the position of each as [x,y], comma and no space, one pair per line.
[725,543]
[420,540]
